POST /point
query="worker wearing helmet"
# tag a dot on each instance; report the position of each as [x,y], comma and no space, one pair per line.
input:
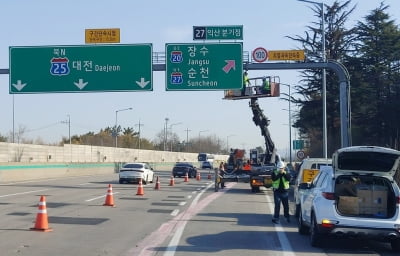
[280,184]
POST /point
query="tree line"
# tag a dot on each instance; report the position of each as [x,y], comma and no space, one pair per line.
[370,50]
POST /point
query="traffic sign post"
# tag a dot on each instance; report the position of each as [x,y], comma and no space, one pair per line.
[298,144]
[218,32]
[85,68]
[260,54]
[296,55]
[103,35]
[204,66]
[300,154]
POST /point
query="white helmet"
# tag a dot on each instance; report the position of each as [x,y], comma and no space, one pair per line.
[280,165]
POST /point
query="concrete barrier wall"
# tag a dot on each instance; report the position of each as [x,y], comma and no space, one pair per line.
[20,162]
[13,173]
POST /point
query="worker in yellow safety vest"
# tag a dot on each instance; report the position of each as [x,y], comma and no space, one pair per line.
[266,86]
[280,184]
[246,81]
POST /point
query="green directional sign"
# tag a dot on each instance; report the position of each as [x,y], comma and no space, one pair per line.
[88,68]
[204,66]
[298,144]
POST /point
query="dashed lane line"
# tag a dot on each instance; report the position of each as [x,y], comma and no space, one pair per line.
[23,193]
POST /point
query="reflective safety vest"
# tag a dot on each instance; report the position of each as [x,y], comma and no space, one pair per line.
[246,80]
[275,183]
[266,85]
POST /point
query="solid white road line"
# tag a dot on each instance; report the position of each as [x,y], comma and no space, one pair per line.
[287,249]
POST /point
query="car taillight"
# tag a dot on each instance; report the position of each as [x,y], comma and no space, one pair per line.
[328,195]
[328,223]
[398,200]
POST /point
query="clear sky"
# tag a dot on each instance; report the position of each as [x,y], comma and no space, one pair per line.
[266,23]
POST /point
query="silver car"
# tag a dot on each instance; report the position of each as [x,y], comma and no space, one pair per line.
[133,172]
[358,197]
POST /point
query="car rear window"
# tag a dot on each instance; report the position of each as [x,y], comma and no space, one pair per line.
[368,161]
[136,166]
[183,165]
[318,165]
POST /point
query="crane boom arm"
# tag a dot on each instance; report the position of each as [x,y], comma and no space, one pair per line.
[263,122]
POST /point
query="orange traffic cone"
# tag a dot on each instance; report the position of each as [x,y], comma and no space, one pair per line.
[198,177]
[186,178]
[109,198]
[140,190]
[42,223]
[157,184]
[209,176]
[172,181]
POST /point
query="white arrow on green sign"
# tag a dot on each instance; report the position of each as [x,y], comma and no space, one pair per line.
[204,66]
[88,68]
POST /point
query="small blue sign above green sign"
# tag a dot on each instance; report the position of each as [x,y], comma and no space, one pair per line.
[217,32]
[204,66]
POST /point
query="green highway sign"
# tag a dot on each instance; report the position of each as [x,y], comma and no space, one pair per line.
[218,32]
[203,66]
[298,144]
[88,68]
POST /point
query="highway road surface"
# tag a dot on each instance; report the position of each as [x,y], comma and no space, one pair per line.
[188,218]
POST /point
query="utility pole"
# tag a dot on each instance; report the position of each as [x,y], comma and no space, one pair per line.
[69,134]
[139,124]
[324,122]
[165,133]
[187,138]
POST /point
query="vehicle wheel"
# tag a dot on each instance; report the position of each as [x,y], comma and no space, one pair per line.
[395,245]
[152,179]
[253,189]
[315,236]
[120,182]
[144,181]
[302,229]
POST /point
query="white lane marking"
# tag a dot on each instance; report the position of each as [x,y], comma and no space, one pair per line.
[287,249]
[22,193]
[189,196]
[147,247]
[94,198]
[174,212]
[190,212]
[182,203]
[82,184]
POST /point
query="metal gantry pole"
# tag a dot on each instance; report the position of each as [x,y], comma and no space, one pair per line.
[324,122]
[116,124]
[290,131]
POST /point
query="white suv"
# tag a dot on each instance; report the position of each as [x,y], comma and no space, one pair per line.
[358,197]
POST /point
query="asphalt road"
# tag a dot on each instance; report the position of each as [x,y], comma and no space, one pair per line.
[186,219]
